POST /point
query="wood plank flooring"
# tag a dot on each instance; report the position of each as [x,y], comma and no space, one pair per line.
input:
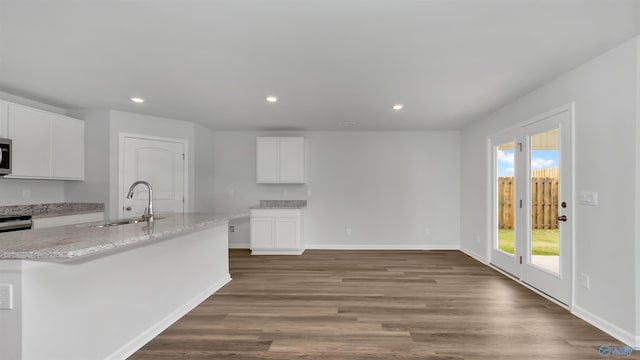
[374,305]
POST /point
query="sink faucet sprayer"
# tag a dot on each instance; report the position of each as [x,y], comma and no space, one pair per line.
[148,214]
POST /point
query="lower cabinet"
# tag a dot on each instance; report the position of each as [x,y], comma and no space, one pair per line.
[276,232]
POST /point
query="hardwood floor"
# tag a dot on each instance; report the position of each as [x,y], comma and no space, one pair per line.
[374,305]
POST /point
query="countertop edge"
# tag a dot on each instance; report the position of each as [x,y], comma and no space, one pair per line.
[45,216]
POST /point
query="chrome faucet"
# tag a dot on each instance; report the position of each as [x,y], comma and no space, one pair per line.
[148,212]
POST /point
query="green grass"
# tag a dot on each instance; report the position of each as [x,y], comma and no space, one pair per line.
[545,241]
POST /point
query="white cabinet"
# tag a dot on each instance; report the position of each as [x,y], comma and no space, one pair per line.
[4,114]
[267,159]
[276,232]
[280,160]
[30,131]
[262,233]
[45,145]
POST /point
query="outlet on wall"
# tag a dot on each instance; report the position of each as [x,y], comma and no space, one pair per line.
[26,194]
[6,296]
[348,231]
[232,228]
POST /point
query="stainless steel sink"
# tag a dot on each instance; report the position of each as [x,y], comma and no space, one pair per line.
[119,222]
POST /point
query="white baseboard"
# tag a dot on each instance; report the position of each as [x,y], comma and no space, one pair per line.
[382,247]
[474,255]
[611,329]
[366,247]
[239,246]
[277,252]
[146,336]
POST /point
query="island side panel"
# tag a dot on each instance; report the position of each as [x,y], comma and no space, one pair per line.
[11,319]
[109,306]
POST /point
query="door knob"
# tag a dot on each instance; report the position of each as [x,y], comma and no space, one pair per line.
[562,218]
[128,208]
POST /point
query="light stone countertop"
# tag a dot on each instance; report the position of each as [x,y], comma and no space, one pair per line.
[71,241]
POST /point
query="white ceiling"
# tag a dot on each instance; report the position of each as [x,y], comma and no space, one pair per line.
[329,61]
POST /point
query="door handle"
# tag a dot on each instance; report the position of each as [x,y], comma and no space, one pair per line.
[128,208]
[562,218]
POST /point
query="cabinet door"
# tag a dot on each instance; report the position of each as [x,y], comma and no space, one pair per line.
[286,234]
[30,131]
[4,118]
[67,148]
[266,159]
[262,233]
[291,159]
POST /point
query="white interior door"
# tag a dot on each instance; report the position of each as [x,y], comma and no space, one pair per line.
[532,203]
[159,162]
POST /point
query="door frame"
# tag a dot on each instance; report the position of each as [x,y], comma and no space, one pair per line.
[185,183]
[489,189]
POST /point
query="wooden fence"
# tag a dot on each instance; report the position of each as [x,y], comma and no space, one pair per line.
[542,173]
[544,204]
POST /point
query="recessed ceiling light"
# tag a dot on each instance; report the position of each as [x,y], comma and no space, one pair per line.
[137,100]
[271,98]
[349,123]
[397,107]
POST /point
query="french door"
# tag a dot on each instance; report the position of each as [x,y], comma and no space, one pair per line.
[532,203]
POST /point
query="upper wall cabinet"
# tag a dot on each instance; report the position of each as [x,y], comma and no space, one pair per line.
[280,160]
[45,145]
[4,113]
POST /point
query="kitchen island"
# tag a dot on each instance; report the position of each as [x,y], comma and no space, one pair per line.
[91,291]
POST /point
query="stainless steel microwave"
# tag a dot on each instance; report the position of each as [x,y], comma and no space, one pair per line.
[5,157]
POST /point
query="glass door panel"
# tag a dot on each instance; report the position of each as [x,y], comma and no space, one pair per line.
[505,219]
[544,184]
[505,178]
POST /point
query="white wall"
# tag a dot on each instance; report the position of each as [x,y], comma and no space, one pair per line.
[605,94]
[41,191]
[204,170]
[124,122]
[388,187]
